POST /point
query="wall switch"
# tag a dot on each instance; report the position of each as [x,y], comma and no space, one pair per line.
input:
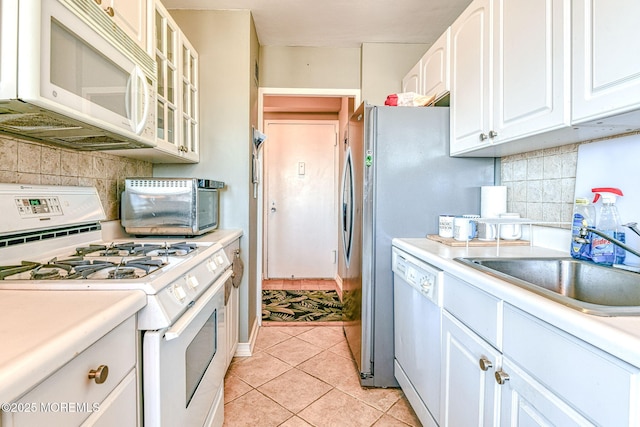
[300,168]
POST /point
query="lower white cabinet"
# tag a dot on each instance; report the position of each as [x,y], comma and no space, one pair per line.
[232,305]
[503,366]
[468,384]
[69,397]
[526,402]
[603,388]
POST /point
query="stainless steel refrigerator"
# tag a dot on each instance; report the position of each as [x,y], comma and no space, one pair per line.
[397,178]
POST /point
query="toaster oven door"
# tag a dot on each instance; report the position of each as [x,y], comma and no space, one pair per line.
[208,209]
[171,211]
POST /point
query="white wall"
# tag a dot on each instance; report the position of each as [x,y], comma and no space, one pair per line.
[383,67]
[309,67]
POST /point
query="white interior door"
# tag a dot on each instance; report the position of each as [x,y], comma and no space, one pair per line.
[300,199]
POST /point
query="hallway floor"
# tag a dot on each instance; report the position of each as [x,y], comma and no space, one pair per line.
[305,376]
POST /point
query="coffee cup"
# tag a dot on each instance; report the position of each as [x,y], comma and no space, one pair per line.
[510,231]
[464,227]
[487,231]
[445,226]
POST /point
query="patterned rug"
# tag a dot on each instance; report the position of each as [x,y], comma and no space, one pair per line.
[301,306]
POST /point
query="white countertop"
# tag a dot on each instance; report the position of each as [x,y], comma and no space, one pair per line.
[112,230]
[619,336]
[40,331]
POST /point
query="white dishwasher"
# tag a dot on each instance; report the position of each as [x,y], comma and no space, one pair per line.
[417,307]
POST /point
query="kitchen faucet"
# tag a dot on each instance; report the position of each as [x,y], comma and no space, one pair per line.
[584,231]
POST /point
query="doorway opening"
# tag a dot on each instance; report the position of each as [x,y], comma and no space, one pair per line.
[301,166]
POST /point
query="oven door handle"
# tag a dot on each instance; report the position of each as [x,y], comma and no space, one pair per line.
[181,325]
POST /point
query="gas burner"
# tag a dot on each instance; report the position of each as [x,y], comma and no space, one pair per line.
[45,273]
[122,273]
[177,249]
[10,270]
[85,250]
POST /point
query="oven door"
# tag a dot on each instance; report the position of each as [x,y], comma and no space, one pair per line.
[184,365]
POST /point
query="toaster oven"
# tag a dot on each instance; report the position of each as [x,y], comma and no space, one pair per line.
[170,206]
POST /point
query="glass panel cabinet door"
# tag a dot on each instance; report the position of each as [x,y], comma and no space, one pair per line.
[166,42]
[190,97]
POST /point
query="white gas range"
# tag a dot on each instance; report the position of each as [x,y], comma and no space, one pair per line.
[50,238]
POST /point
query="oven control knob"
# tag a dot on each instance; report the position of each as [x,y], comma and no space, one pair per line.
[179,293]
[211,265]
[219,259]
[192,281]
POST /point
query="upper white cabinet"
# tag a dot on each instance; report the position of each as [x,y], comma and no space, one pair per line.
[470,98]
[177,103]
[606,58]
[190,98]
[435,67]
[131,17]
[431,74]
[509,72]
[412,82]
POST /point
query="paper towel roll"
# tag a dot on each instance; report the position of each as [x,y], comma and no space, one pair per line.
[493,200]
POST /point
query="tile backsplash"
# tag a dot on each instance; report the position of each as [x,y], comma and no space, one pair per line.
[27,162]
[540,184]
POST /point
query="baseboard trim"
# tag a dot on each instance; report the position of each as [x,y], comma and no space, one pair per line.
[245,349]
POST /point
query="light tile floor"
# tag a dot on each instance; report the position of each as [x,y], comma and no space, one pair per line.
[305,376]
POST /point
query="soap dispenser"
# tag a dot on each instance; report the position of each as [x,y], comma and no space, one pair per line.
[602,250]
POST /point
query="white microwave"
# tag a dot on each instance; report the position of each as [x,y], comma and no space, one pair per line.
[70,77]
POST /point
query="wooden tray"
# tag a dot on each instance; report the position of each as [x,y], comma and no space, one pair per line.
[475,242]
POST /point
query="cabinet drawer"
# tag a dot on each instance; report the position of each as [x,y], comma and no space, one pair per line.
[475,308]
[120,408]
[600,386]
[68,396]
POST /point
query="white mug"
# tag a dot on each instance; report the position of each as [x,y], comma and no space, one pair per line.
[487,231]
[464,228]
[510,231]
[445,226]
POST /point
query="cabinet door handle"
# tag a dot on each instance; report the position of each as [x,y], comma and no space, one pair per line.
[110,11]
[483,136]
[99,375]
[485,364]
[501,377]
[493,134]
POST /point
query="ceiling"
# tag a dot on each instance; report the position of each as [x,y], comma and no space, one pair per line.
[340,23]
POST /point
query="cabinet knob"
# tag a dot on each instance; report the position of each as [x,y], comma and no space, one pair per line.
[183,148]
[493,134]
[483,136]
[98,1]
[501,377]
[109,11]
[99,375]
[485,364]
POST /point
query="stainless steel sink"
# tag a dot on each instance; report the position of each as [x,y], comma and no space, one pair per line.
[584,286]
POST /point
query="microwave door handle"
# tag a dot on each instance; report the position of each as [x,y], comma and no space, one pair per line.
[132,101]
[181,325]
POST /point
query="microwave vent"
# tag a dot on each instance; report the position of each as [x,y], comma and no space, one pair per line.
[32,122]
[159,183]
[100,22]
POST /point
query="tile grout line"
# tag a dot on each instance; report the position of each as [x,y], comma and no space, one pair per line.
[379,413]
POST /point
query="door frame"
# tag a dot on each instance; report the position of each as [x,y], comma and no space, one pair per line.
[259,194]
